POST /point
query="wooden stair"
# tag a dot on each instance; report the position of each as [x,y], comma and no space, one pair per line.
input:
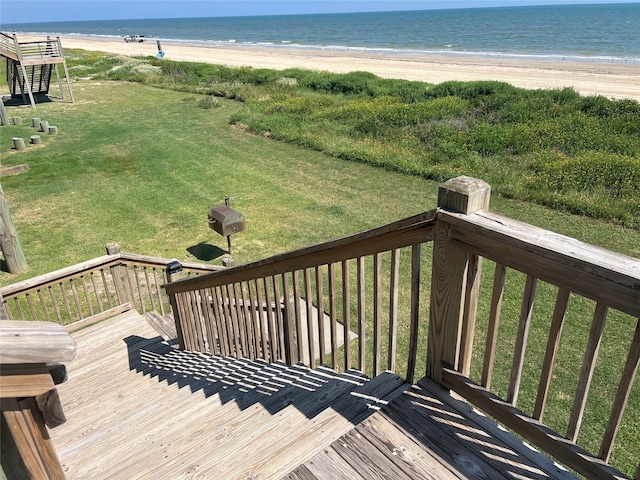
[137,407]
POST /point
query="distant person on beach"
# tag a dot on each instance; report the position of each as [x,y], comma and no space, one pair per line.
[160,53]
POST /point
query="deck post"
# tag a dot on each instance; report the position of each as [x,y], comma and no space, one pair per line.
[119,275]
[454,283]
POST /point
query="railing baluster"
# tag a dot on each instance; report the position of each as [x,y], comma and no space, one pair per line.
[135,275]
[333,316]
[622,396]
[377,312]
[393,309]
[320,303]
[310,327]
[158,291]
[553,342]
[95,291]
[55,305]
[148,289]
[16,302]
[300,340]
[346,314]
[291,352]
[588,367]
[251,307]
[205,306]
[270,312]
[234,309]
[34,316]
[279,319]
[416,255]
[43,305]
[263,318]
[469,312]
[521,340]
[76,299]
[494,320]
[248,322]
[63,292]
[105,284]
[86,294]
[218,311]
[195,302]
[362,330]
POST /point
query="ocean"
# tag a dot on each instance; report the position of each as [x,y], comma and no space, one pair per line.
[596,33]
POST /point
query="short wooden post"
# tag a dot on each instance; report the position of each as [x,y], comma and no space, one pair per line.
[36,139]
[9,242]
[17,120]
[35,122]
[453,285]
[44,126]
[4,120]
[18,143]
[53,130]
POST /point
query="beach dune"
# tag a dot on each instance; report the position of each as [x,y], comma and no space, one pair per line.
[612,80]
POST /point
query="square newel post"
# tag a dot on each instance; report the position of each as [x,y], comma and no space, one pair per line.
[454,282]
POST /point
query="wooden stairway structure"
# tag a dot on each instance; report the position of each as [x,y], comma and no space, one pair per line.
[138,407]
[30,65]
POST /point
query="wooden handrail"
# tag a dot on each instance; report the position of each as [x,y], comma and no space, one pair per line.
[90,290]
[409,231]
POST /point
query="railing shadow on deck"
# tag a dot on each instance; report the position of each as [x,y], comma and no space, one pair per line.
[274,386]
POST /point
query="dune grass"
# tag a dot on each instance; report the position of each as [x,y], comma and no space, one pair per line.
[141,166]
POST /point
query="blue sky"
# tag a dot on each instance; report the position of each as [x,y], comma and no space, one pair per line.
[27,11]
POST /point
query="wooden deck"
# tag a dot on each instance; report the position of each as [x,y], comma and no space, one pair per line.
[137,407]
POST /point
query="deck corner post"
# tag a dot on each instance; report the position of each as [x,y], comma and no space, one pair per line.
[119,275]
[454,285]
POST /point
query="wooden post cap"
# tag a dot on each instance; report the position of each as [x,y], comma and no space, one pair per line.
[113,248]
[464,195]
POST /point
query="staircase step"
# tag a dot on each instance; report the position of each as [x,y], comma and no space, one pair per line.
[288,442]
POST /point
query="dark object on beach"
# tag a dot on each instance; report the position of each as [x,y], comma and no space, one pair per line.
[160,53]
[134,38]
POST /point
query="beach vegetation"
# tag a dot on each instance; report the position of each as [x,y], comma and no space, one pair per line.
[533,145]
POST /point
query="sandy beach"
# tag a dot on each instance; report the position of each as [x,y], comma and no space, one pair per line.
[613,80]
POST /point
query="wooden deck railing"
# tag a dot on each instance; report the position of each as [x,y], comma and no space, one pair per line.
[268,309]
[45,51]
[275,309]
[90,291]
